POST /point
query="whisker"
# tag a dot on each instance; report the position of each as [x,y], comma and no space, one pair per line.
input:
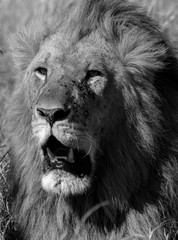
[77,141]
[91,141]
[88,150]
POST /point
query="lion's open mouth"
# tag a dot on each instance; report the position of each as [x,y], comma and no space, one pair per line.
[59,156]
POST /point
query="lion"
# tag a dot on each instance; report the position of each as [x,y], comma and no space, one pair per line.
[92,126]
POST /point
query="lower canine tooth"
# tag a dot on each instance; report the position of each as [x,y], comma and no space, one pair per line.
[59,164]
[71,156]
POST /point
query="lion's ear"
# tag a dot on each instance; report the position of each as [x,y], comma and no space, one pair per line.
[25,43]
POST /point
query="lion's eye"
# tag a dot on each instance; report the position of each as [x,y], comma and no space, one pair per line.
[41,73]
[93,73]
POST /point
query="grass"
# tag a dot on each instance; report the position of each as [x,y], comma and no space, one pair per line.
[18,12]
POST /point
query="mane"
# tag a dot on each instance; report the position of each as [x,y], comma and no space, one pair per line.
[138,197]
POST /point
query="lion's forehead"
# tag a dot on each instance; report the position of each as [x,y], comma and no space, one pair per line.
[64,53]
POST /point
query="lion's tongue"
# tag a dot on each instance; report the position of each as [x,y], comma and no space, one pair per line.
[61,154]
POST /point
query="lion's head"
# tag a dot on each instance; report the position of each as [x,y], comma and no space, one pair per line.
[72,98]
[90,118]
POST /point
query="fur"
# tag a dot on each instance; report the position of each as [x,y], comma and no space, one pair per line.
[135,186]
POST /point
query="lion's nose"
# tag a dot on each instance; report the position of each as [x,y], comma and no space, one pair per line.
[53,115]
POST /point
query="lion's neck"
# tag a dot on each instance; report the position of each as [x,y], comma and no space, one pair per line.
[54,216]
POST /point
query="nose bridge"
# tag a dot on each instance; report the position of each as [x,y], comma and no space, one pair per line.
[54,95]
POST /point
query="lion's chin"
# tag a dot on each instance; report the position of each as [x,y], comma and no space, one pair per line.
[60,182]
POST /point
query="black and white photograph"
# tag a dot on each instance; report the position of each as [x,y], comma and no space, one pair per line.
[88,119]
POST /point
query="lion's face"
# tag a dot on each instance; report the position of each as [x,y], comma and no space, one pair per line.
[71,104]
[92,125]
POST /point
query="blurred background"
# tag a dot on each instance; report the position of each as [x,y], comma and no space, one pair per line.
[17,12]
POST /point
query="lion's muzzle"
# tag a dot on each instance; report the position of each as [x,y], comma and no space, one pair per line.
[60,124]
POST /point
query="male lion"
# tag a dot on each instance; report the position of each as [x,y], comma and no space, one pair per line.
[92,126]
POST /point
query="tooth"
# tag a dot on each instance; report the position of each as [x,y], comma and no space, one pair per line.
[71,156]
[51,155]
[59,164]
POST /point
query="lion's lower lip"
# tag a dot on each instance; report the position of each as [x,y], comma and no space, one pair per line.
[58,156]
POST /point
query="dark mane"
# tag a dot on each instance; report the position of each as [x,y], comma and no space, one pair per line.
[136,197]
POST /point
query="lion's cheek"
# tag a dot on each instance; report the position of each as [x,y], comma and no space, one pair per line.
[41,130]
[98,119]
